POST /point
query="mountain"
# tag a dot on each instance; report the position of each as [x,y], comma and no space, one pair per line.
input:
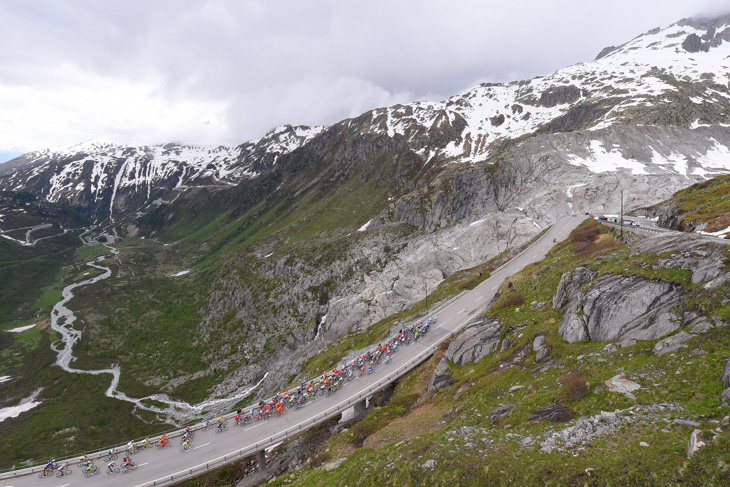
[263,255]
[677,76]
[103,179]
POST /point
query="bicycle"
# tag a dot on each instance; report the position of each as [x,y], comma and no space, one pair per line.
[65,470]
[162,444]
[129,468]
[221,428]
[91,470]
[187,447]
[46,473]
[113,470]
[111,456]
[83,461]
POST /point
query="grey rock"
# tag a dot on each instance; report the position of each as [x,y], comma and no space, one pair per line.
[431,463]
[479,338]
[538,341]
[696,441]
[515,388]
[684,422]
[620,383]
[693,43]
[672,343]
[608,417]
[610,348]
[440,376]
[557,95]
[527,441]
[555,414]
[643,443]
[500,412]
[334,465]
[505,345]
[615,308]
[542,354]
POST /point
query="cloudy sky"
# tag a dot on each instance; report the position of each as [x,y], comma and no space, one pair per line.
[224,72]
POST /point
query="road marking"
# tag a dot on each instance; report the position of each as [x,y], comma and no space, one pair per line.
[64,485]
[201,446]
[480,297]
[256,426]
[495,287]
[145,463]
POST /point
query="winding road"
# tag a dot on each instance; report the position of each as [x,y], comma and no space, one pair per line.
[212,450]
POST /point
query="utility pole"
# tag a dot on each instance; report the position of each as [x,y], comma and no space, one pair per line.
[622,215]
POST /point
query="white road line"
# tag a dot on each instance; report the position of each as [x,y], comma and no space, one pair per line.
[480,297]
[495,287]
[201,446]
[145,463]
[256,425]
[64,485]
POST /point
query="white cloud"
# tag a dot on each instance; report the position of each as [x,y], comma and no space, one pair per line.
[222,71]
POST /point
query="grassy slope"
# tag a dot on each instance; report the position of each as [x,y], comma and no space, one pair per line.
[707,202]
[400,437]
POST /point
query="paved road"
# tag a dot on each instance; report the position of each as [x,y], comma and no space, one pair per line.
[158,465]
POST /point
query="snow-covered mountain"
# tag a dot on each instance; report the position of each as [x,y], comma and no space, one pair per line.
[108,179]
[677,76]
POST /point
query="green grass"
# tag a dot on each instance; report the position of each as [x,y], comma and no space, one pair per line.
[408,433]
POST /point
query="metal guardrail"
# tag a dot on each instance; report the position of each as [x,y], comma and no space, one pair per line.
[194,471]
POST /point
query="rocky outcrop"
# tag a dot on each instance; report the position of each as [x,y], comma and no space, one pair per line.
[555,414]
[441,377]
[479,338]
[690,252]
[615,308]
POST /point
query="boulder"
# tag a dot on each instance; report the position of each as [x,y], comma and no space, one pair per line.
[538,341]
[479,338]
[696,441]
[440,377]
[542,354]
[672,343]
[556,414]
[725,396]
[620,383]
[500,412]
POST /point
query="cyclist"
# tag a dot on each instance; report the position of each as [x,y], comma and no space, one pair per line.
[205,424]
[237,419]
[130,447]
[111,467]
[220,423]
[146,443]
[186,444]
[84,459]
[163,440]
[127,462]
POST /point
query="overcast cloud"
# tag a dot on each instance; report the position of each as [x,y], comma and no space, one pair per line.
[224,72]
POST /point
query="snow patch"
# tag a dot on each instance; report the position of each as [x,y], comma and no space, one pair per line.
[181,273]
[365,227]
[720,234]
[602,160]
[25,405]
[5,378]
[21,328]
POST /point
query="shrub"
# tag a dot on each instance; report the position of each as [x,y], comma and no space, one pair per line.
[514,300]
[574,386]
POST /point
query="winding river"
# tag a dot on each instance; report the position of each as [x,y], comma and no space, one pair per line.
[174,412]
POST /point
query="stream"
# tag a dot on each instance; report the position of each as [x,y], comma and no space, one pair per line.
[175,412]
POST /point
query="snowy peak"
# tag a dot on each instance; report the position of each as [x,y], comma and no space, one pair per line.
[113,179]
